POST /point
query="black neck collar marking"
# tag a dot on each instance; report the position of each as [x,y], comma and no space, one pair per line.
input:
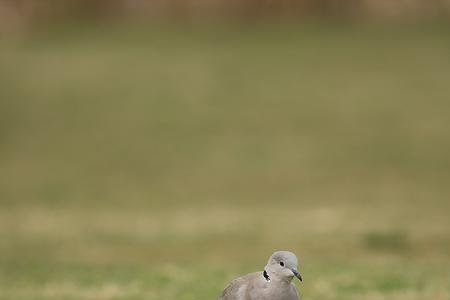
[266,276]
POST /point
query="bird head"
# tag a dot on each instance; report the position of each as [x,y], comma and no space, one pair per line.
[282,265]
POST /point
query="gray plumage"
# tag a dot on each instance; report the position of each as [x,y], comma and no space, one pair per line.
[272,283]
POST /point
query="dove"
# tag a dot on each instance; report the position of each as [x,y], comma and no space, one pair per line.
[272,283]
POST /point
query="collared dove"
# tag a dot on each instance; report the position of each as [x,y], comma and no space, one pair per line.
[273,283]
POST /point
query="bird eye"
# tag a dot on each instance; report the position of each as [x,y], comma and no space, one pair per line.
[281,263]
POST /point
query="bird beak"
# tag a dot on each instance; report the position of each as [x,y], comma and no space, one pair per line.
[297,274]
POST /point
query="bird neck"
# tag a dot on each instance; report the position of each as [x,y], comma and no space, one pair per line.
[271,276]
[266,275]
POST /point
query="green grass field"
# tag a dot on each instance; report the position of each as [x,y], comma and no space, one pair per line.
[161,163]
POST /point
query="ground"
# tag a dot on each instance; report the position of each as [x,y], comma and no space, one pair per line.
[160,163]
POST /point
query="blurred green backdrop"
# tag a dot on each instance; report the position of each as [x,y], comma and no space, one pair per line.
[159,162]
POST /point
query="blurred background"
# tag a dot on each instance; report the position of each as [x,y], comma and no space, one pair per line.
[158,149]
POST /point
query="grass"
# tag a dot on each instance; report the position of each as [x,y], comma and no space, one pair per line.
[159,163]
